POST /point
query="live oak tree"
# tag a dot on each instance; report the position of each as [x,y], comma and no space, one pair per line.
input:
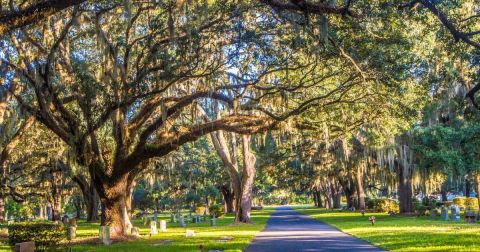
[119,83]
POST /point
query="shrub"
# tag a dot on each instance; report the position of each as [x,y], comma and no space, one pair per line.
[383,205]
[471,204]
[217,209]
[447,203]
[460,201]
[45,235]
[200,210]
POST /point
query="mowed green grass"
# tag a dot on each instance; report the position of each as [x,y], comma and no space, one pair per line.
[400,233]
[206,236]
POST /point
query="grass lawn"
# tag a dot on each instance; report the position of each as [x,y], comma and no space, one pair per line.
[174,239]
[400,233]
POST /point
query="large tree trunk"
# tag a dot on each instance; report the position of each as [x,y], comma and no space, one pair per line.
[351,196]
[113,200]
[405,190]
[336,195]
[242,183]
[248,176]
[360,190]
[91,204]
[228,198]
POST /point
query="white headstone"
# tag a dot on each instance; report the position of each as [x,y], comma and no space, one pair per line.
[153,228]
[190,233]
[163,226]
[104,235]
[71,232]
[182,221]
[135,231]
[455,213]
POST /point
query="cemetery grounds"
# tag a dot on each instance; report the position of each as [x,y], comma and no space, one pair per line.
[401,233]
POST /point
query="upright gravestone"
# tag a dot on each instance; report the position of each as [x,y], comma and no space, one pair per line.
[104,235]
[213,221]
[153,228]
[444,214]
[455,213]
[24,247]
[145,219]
[173,218]
[72,222]
[163,226]
[433,214]
[71,232]
[182,221]
[135,231]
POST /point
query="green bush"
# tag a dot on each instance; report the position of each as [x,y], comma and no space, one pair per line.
[218,210]
[200,210]
[45,235]
[471,204]
[383,205]
[460,201]
[447,203]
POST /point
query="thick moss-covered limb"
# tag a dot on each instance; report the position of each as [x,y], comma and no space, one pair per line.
[306,7]
[35,13]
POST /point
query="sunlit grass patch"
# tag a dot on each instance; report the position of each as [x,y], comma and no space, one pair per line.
[398,233]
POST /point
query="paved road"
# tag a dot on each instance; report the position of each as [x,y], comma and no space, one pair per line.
[288,230]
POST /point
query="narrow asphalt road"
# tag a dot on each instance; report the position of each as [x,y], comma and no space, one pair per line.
[288,230]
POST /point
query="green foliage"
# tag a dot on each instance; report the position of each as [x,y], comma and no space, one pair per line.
[45,235]
[217,210]
[383,205]
[200,210]
[471,204]
[460,201]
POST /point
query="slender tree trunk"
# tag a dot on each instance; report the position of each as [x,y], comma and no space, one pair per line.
[328,200]
[467,187]
[351,196]
[444,196]
[477,182]
[2,208]
[92,202]
[78,208]
[317,198]
[129,198]
[56,196]
[90,197]
[228,198]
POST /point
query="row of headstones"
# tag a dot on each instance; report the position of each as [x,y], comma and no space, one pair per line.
[444,215]
[195,219]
